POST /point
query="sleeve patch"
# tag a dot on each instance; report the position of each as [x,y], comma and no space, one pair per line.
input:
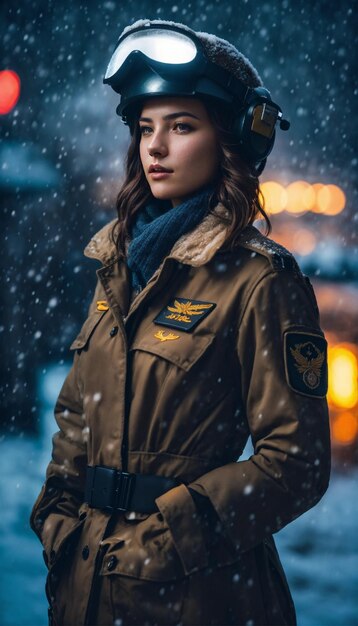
[306,363]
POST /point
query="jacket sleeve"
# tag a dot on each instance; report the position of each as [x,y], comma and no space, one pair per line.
[282,380]
[56,510]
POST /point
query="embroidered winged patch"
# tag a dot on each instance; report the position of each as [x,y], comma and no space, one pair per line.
[184,314]
[306,363]
[170,336]
[102,305]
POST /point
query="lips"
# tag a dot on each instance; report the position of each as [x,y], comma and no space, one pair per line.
[158,168]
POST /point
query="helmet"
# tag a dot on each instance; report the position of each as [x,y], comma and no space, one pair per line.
[161,58]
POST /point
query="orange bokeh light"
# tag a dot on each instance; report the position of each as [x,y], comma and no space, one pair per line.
[300,197]
[345,428]
[342,376]
[275,196]
[9,90]
[331,200]
[304,241]
[317,188]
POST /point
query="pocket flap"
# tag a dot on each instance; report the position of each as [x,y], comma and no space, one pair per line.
[184,349]
[143,550]
[87,330]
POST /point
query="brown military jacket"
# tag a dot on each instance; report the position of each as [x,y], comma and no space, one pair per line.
[219,346]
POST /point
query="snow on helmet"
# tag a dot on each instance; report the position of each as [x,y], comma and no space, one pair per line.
[162,58]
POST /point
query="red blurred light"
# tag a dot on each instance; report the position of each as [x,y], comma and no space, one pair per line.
[9,90]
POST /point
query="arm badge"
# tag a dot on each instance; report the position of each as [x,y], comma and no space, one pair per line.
[306,363]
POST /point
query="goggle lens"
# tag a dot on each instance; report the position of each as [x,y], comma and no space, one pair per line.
[163,46]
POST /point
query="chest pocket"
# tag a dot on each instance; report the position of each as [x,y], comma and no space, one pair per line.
[87,330]
[181,349]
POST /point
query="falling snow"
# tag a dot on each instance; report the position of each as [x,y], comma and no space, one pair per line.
[62,161]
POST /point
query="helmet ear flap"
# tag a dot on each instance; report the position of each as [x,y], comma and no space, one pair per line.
[254,127]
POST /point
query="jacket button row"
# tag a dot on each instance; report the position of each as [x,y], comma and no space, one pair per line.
[85,553]
[111,563]
[113,331]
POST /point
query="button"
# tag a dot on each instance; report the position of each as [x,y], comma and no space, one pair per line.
[111,563]
[85,553]
[113,331]
[52,556]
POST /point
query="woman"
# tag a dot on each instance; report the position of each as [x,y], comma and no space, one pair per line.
[201,333]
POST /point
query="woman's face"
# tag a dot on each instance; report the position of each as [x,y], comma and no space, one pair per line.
[177,134]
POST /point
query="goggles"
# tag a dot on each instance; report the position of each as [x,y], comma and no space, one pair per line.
[160,45]
[155,60]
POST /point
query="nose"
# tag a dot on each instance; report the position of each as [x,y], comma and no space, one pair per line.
[157,145]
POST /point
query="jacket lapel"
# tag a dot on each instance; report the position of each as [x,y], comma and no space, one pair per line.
[195,248]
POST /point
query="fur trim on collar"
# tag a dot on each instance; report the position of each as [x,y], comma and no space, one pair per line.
[101,246]
[194,248]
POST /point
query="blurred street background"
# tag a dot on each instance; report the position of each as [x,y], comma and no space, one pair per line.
[62,153]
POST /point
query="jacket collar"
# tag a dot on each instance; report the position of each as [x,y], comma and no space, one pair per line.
[194,248]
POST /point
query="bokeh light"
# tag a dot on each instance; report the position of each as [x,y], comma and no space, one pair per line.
[275,196]
[342,376]
[345,428]
[9,90]
[331,200]
[304,241]
[300,196]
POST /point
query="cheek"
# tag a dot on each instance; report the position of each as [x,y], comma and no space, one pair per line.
[203,153]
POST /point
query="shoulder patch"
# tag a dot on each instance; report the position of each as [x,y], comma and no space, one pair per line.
[184,314]
[306,363]
[279,257]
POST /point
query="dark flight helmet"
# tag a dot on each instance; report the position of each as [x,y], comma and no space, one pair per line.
[160,58]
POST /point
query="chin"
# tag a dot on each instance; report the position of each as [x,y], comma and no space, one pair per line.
[161,194]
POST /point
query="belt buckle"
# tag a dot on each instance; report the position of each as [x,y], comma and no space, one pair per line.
[103,487]
[123,491]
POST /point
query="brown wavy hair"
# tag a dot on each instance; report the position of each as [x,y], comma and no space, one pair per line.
[237,186]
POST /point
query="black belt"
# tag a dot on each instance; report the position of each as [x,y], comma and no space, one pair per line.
[112,489]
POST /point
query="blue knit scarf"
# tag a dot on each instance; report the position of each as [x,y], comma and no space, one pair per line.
[156,229]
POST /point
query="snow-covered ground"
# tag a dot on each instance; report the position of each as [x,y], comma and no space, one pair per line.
[318,550]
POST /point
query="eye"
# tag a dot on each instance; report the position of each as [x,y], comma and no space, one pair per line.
[182,128]
[143,130]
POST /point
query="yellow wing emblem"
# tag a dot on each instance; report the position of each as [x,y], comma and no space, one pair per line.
[303,364]
[309,368]
[187,308]
[102,305]
[170,336]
